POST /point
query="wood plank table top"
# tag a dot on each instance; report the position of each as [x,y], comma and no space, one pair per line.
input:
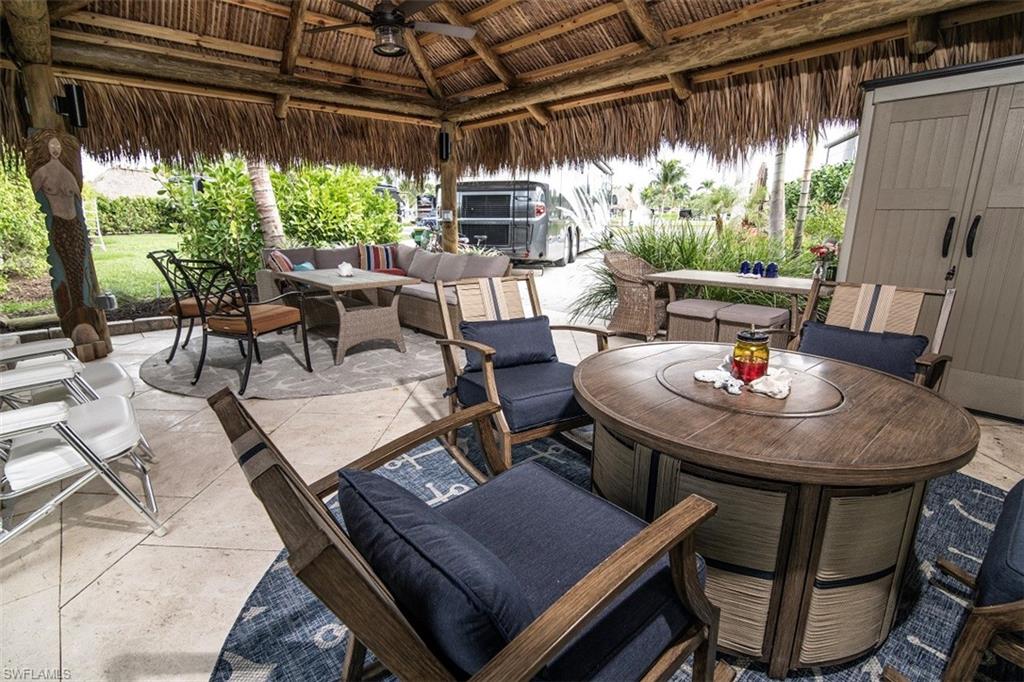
[887,431]
[330,280]
[732,280]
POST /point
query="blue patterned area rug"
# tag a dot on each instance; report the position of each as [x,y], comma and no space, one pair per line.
[284,633]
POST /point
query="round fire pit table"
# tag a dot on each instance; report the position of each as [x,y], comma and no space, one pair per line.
[818,494]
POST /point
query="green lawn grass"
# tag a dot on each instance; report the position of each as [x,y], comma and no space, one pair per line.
[122,268]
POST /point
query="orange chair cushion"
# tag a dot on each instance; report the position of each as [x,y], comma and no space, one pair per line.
[189,308]
[266,317]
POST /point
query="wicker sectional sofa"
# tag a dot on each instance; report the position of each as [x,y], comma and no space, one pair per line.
[417,304]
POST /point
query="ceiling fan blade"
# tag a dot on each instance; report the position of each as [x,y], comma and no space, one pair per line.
[463,32]
[354,5]
[410,7]
[324,29]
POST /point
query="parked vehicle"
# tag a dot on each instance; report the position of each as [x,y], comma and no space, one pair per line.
[392,191]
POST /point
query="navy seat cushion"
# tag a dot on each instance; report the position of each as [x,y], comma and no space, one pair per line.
[531,395]
[886,351]
[1001,578]
[458,595]
[516,342]
[551,533]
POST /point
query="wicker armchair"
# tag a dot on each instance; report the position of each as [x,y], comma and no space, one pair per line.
[639,309]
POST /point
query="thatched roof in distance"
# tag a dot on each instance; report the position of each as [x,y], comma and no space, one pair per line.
[545,83]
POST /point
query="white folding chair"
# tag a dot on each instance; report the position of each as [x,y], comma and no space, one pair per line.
[100,379]
[50,442]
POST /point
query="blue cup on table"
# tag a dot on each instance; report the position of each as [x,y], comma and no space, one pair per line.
[772,270]
[745,267]
[758,268]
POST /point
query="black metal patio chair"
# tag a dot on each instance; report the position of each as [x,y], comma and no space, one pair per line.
[225,311]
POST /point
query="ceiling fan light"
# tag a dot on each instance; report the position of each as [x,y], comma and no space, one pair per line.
[390,42]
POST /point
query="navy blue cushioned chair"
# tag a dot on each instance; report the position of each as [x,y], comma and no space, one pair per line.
[875,325]
[996,620]
[525,576]
[510,360]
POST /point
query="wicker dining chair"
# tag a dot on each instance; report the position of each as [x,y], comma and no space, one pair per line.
[610,609]
[639,309]
[535,391]
[226,312]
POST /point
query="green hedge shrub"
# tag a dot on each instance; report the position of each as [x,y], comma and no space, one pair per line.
[217,221]
[22,227]
[135,215]
[827,185]
[322,206]
[319,206]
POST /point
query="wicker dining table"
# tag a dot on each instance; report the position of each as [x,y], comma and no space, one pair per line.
[818,494]
[361,315]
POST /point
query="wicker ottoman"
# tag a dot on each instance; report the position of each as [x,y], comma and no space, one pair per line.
[693,319]
[736,318]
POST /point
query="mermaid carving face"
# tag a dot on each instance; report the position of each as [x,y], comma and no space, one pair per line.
[54,146]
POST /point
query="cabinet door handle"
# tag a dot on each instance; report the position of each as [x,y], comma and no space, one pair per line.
[971,234]
[948,237]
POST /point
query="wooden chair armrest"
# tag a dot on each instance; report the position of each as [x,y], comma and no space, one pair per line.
[930,368]
[933,359]
[375,458]
[535,646]
[481,348]
[601,334]
[955,572]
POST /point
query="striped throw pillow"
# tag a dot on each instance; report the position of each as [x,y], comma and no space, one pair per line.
[279,262]
[377,257]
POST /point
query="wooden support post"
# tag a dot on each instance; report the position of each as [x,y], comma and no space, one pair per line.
[922,34]
[290,51]
[54,164]
[648,28]
[449,190]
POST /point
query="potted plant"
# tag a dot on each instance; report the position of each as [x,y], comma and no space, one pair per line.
[826,254]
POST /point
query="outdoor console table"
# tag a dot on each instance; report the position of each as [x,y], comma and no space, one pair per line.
[818,494]
[360,318]
[794,287]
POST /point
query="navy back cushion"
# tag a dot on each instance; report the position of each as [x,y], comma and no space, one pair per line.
[517,342]
[462,599]
[1001,578]
[886,351]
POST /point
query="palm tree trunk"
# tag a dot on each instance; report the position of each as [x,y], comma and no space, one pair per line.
[805,196]
[266,203]
[777,210]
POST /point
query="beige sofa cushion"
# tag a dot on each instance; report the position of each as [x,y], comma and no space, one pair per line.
[484,266]
[428,292]
[450,267]
[424,265]
[332,258]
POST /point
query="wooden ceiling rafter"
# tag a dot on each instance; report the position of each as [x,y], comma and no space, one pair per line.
[197,72]
[315,77]
[782,31]
[641,17]
[599,13]
[894,31]
[419,58]
[290,51]
[171,35]
[539,113]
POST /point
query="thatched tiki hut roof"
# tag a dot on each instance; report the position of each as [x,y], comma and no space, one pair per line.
[541,83]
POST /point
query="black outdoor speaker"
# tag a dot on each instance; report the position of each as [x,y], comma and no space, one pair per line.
[444,146]
[72,105]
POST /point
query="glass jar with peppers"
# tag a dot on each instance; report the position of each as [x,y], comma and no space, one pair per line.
[750,355]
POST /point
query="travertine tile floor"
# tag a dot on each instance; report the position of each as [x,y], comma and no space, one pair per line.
[90,592]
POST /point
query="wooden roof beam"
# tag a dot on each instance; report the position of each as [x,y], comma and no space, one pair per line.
[493,61]
[61,8]
[290,51]
[313,18]
[648,28]
[231,47]
[828,19]
[419,58]
[197,72]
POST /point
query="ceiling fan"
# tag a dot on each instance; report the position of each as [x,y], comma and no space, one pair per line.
[389,20]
